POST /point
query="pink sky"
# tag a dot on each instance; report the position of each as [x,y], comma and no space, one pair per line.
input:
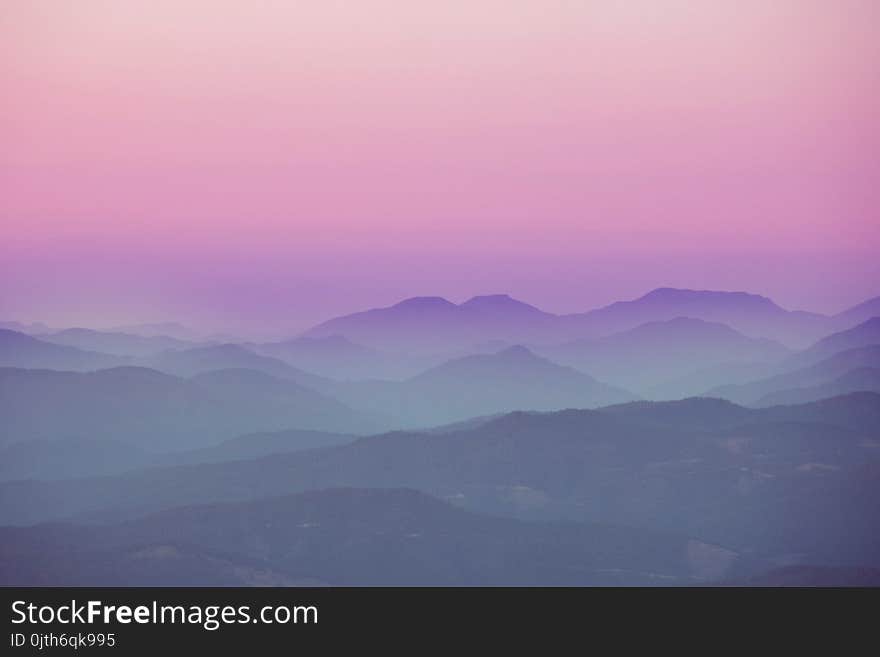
[257,166]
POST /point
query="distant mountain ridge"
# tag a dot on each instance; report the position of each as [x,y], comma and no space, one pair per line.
[482,384]
[823,372]
[862,379]
[29,328]
[861,335]
[159,329]
[657,352]
[434,323]
[116,343]
[157,411]
[203,359]
[751,314]
[858,313]
[85,457]
[21,350]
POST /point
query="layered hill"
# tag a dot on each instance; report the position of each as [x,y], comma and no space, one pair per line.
[25,351]
[349,537]
[821,373]
[862,335]
[750,314]
[200,360]
[772,482]
[857,380]
[481,384]
[651,354]
[68,458]
[115,342]
[158,411]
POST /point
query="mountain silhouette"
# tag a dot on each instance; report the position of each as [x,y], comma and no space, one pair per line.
[158,411]
[862,335]
[20,350]
[697,382]
[352,537]
[198,360]
[502,305]
[84,457]
[433,324]
[705,413]
[751,314]
[857,380]
[773,482]
[518,378]
[858,411]
[825,371]
[29,328]
[657,352]
[67,458]
[858,313]
[159,329]
[481,384]
[115,343]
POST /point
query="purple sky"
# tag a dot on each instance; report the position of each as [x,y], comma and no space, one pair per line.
[259,169]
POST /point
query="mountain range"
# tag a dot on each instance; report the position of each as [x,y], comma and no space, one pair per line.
[200,360]
[21,350]
[488,442]
[659,352]
[769,482]
[351,537]
[481,384]
[436,325]
[431,324]
[861,335]
[115,343]
[823,372]
[157,411]
[83,457]
[855,380]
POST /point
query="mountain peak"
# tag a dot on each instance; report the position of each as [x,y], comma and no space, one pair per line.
[498,302]
[682,323]
[673,294]
[491,299]
[424,302]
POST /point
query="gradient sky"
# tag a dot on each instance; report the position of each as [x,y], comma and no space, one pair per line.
[257,166]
